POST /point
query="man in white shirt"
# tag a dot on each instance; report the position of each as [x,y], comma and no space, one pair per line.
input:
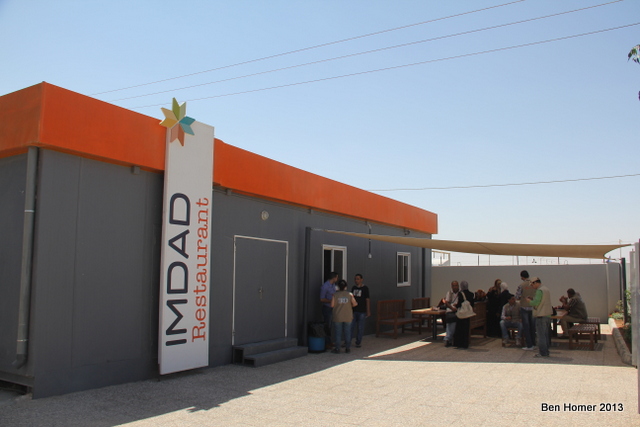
[450,300]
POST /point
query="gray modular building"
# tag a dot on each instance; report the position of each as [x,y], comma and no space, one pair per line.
[81,189]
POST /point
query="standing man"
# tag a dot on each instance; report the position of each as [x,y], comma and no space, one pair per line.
[542,311]
[326,296]
[576,311]
[450,300]
[524,292]
[342,304]
[361,311]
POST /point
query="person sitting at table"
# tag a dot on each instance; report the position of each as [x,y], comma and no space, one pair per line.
[480,295]
[576,311]
[511,319]
[449,301]
[461,335]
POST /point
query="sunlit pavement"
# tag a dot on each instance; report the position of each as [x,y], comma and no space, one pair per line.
[387,382]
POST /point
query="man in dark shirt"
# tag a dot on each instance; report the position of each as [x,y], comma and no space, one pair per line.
[576,311]
[361,311]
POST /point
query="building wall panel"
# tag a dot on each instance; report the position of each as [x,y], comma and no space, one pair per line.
[235,214]
[95,282]
[12,189]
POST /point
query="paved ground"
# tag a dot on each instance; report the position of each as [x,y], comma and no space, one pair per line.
[405,382]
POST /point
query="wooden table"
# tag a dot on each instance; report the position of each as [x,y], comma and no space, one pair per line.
[434,314]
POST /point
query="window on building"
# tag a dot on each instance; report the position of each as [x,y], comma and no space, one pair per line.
[404,269]
[334,259]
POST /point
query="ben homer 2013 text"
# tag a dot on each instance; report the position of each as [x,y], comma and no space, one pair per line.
[570,407]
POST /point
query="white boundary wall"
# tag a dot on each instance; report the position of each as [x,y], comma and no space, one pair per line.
[599,284]
[634,288]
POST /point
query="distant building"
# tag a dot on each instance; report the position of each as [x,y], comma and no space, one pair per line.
[81,188]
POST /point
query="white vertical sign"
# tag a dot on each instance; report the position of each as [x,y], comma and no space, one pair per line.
[186,250]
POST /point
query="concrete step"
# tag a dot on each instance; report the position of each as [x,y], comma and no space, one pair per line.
[275,356]
[240,352]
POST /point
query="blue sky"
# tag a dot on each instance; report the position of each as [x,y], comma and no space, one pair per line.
[553,111]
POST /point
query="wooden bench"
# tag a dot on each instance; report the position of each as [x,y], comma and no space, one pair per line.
[480,319]
[593,321]
[581,330]
[420,303]
[392,312]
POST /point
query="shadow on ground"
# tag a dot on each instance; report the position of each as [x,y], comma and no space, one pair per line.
[204,389]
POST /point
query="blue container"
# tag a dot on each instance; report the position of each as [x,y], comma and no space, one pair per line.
[316,344]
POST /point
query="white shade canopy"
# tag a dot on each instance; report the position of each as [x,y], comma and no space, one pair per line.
[514,249]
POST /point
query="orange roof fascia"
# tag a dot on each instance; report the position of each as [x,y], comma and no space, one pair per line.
[253,174]
[20,114]
[48,116]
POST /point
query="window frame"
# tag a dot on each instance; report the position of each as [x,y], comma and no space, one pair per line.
[406,273]
[342,274]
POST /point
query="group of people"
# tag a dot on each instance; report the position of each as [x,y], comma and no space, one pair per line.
[344,313]
[529,311]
